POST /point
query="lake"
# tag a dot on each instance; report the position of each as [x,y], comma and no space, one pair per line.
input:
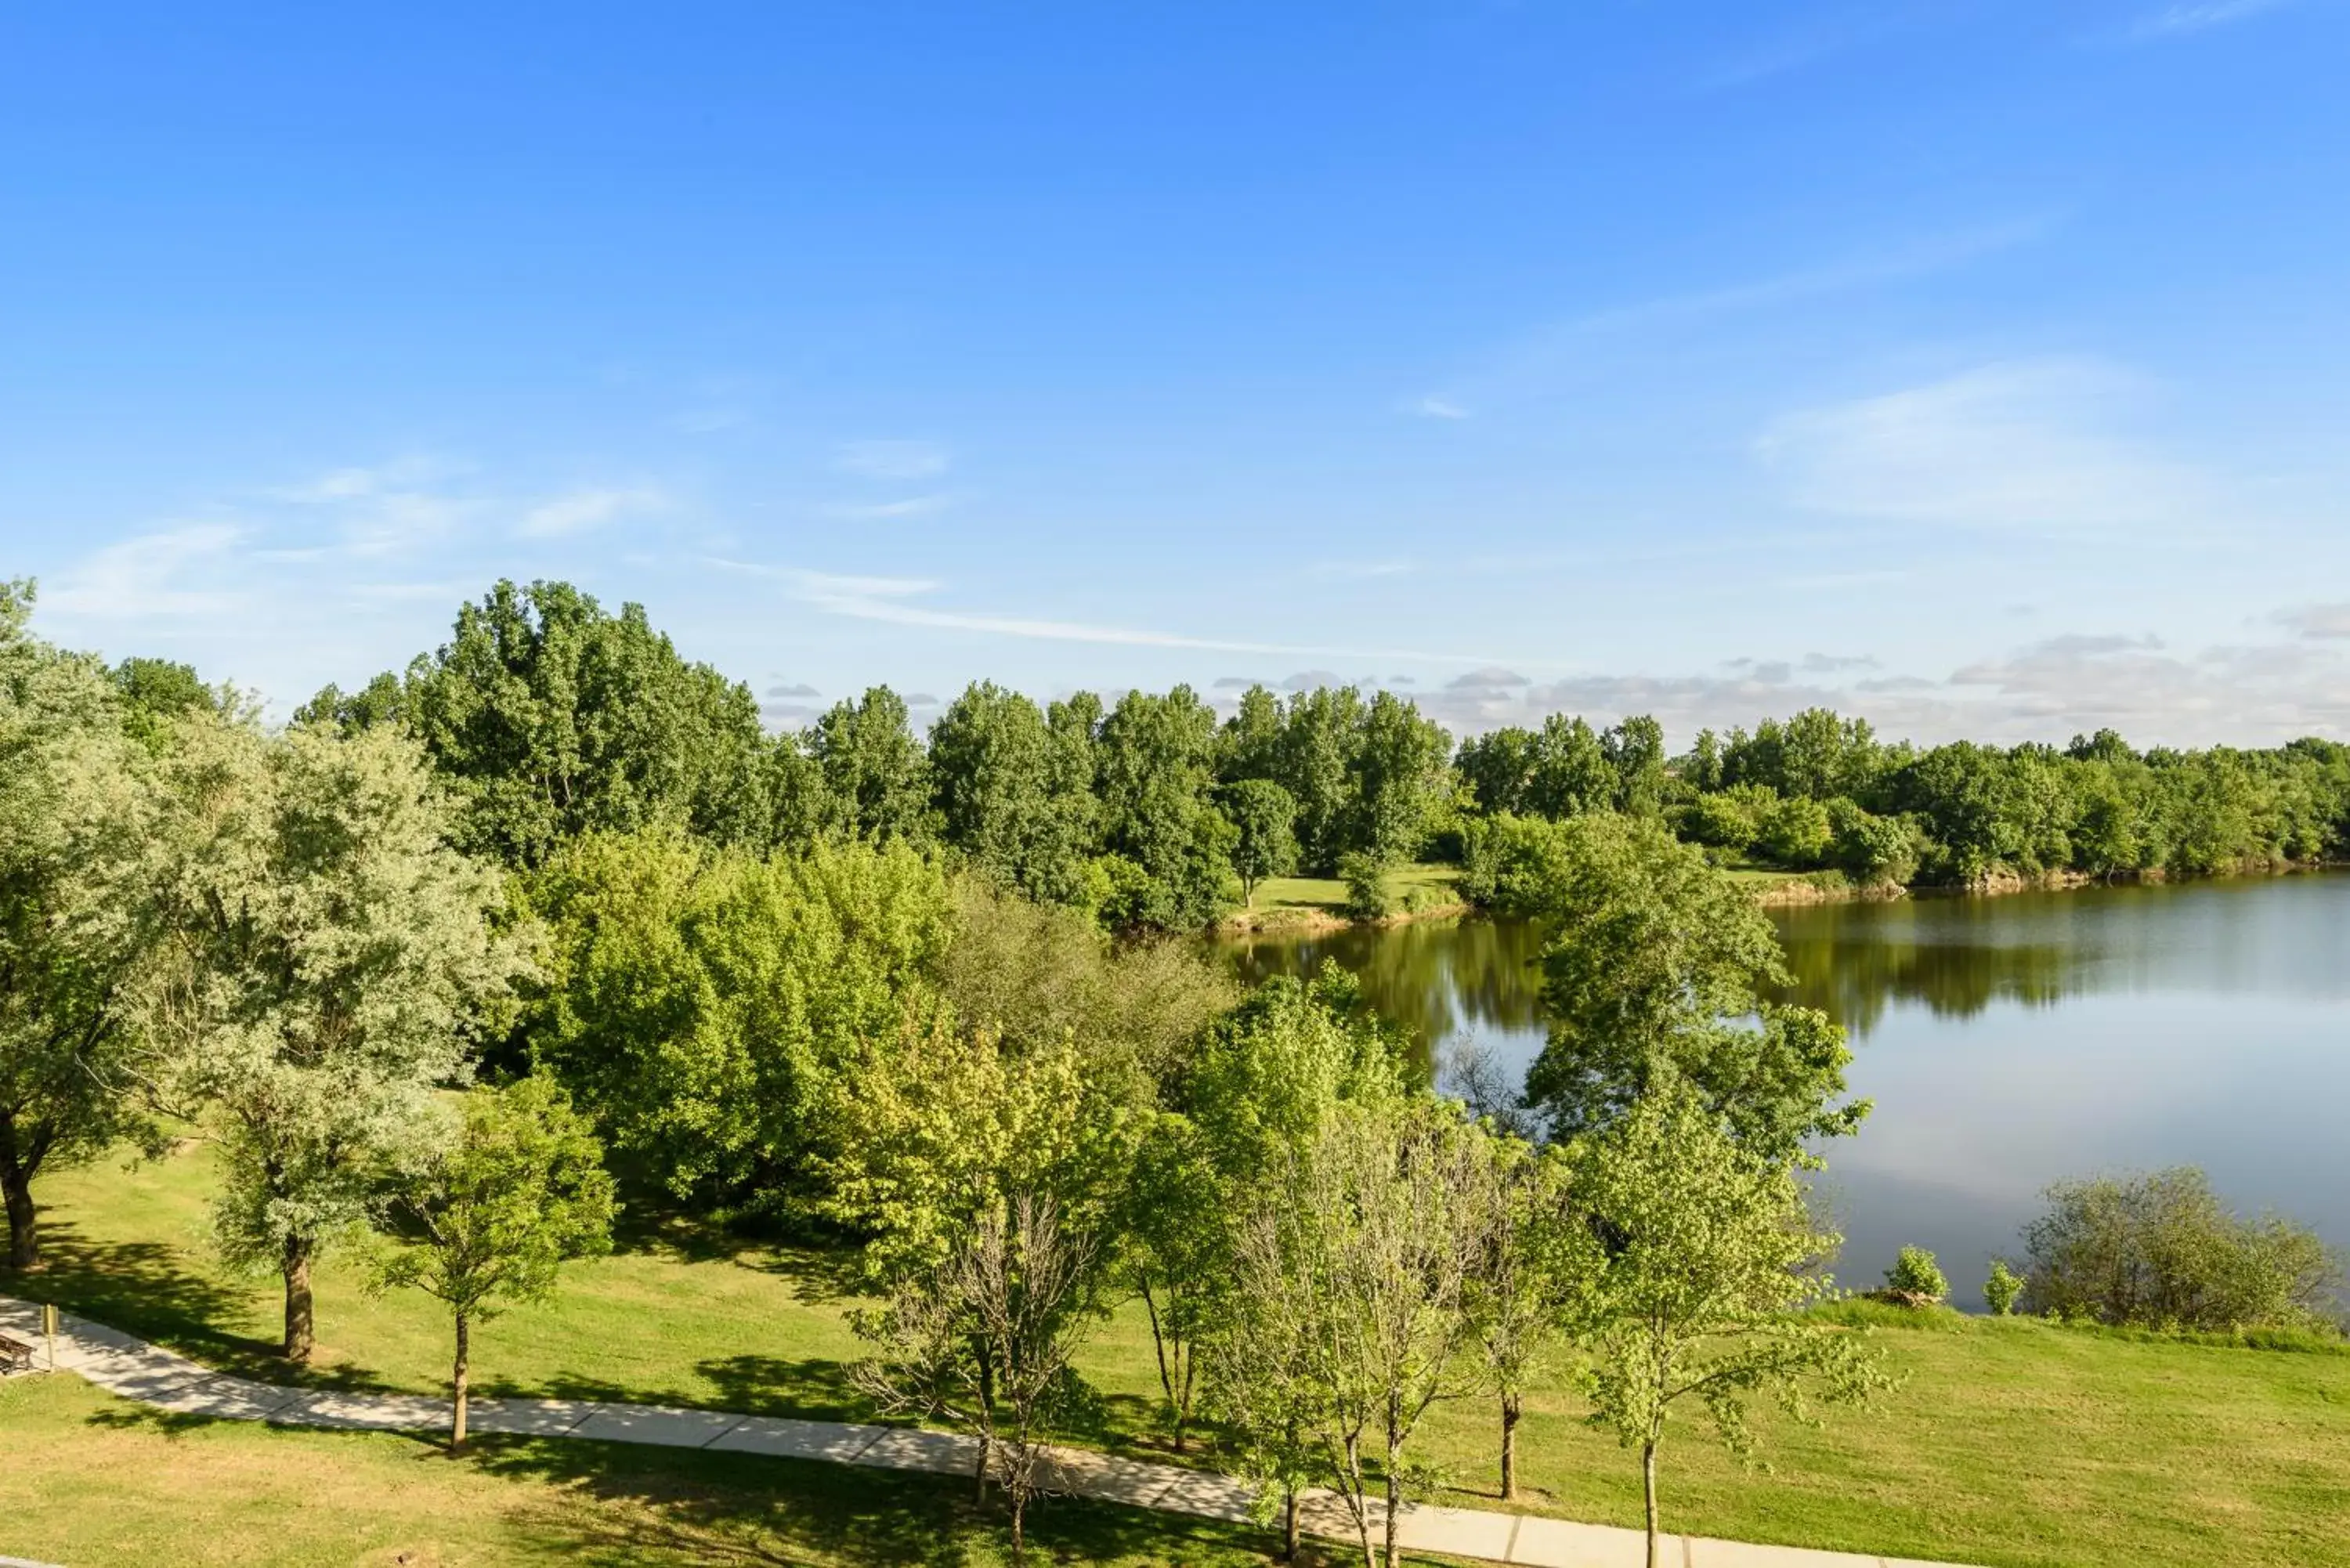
[2007,1042]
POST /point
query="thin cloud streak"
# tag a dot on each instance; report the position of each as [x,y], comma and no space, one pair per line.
[2201,15]
[884,599]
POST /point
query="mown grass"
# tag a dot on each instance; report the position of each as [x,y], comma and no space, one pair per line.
[91,1480]
[2011,1442]
[1328,895]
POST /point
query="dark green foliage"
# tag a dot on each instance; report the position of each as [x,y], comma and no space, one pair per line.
[553,718]
[1264,827]
[1154,762]
[1368,894]
[156,691]
[2162,1251]
[1003,783]
[876,779]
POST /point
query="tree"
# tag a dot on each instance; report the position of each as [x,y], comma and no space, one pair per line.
[712,1008]
[1693,1294]
[77,914]
[1659,962]
[1155,764]
[1354,1298]
[1315,763]
[1400,778]
[1264,827]
[989,1340]
[494,1213]
[553,717]
[1249,746]
[1635,751]
[329,954]
[1519,1192]
[875,775]
[1571,773]
[1177,1234]
[1001,798]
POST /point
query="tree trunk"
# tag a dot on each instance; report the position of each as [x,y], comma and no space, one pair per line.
[301,1336]
[1509,1447]
[1395,1501]
[459,1380]
[1019,1524]
[1648,1486]
[1289,1523]
[1360,1492]
[24,1219]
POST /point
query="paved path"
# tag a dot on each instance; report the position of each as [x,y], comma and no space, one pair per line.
[137,1370]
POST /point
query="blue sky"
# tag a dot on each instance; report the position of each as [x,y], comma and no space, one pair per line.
[1977,365]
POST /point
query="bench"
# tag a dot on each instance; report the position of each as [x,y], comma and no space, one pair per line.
[16,1355]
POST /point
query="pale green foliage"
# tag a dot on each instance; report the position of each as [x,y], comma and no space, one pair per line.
[1795,832]
[950,1125]
[1660,961]
[2002,1288]
[1034,972]
[1694,1293]
[76,911]
[2162,1251]
[1915,1278]
[329,954]
[1354,1301]
[1264,1077]
[494,1210]
[1368,894]
[989,1337]
[705,1005]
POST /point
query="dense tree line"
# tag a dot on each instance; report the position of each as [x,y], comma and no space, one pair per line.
[552,718]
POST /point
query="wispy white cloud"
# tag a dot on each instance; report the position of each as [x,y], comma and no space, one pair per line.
[577,511]
[154,574]
[892,459]
[1525,366]
[888,599]
[2199,15]
[2023,445]
[880,510]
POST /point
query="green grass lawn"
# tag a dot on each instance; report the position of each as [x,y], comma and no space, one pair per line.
[2011,1442]
[1328,895]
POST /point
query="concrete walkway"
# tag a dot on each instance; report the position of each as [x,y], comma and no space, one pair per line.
[139,1371]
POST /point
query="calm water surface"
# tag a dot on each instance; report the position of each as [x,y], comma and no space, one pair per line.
[2007,1042]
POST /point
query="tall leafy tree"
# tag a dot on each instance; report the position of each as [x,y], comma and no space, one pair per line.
[1155,764]
[1401,778]
[1317,766]
[330,953]
[875,774]
[77,913]
[1265,829]
[1704,1254]
[496,1210]
[1659,963]
[1635,750]
[1250,744]
[1005,797]
[708,1005]
[554,717]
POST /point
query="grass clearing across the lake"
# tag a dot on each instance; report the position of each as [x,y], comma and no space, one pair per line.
[2013,1443]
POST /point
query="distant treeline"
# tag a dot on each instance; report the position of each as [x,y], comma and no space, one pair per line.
[553,718]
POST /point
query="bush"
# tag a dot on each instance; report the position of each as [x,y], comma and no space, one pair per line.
[2162,1252]
[1794,834]
[1871,850]
[2000,1289]
[1914,1279]
[1368,897]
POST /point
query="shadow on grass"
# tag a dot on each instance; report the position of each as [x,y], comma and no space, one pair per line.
[738,1508]
[143,1289]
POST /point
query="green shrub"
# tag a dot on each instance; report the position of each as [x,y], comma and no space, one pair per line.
[2000,1289]
[1368,894]
[2161,1251]
[1914,1279]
